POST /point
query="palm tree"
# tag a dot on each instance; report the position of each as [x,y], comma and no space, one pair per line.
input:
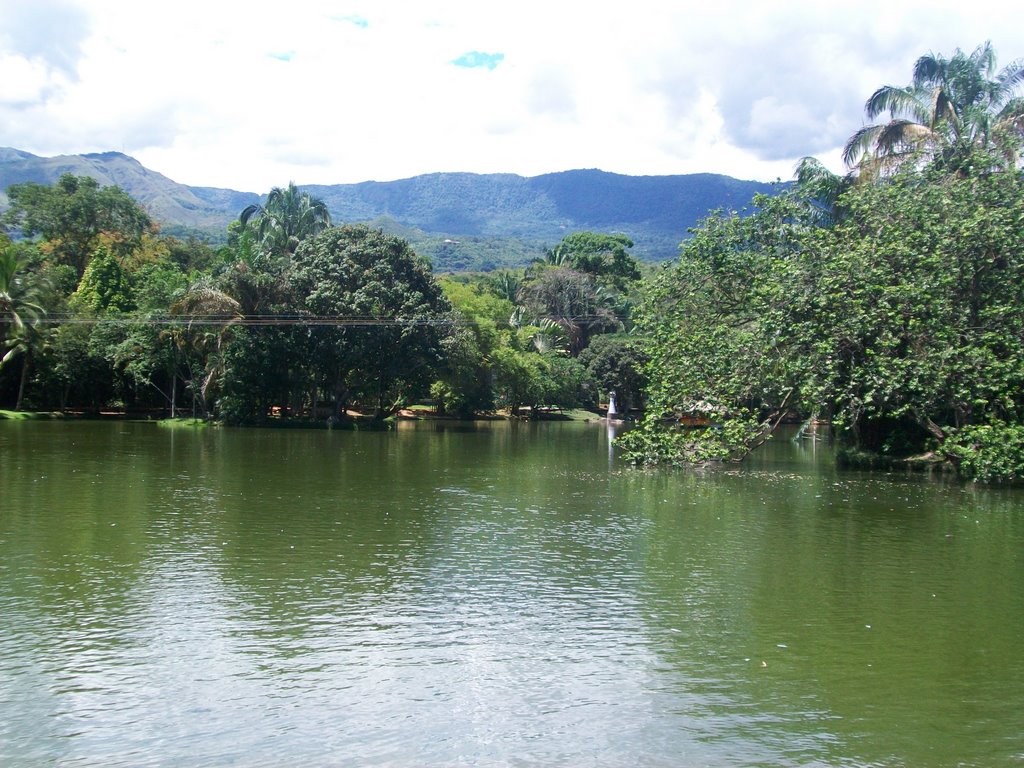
[19,299]
[20,311]
[820,190]
[26,341]
[559,256]
[573,301]
[951,106]
[288,217]
[213,312]
[507,285]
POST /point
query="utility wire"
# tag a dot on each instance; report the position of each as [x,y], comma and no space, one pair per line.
[60,318]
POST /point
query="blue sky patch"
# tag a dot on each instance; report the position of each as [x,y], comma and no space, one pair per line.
[284,56]
[475,59]
[358,21]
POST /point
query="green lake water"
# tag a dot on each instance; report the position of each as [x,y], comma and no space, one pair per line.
[505,594]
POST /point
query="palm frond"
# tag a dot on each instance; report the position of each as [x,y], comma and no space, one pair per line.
[928,69]
[895,101]
[860,144]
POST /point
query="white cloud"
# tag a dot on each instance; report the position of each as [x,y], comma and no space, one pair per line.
[24,82]
[254,95]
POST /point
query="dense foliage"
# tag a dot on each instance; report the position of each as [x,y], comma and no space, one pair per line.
[888,301]
[293,318]
[902,324]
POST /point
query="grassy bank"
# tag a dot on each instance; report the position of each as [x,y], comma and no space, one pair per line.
[28,415]
[182,422]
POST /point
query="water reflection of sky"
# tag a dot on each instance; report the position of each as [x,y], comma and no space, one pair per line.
[501,596]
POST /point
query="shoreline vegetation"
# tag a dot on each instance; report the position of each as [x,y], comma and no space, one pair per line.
[887,301]
[354,418]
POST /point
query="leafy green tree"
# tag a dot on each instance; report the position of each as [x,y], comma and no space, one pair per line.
[77,371]
[178,336]
[519,378]
[480,325]
[258,372]
[915,312]
[288,217]
[714,327]
[902,324]
[72,215]
[564,381]
[386,316]
[105,286]
[464,386]
[606,257]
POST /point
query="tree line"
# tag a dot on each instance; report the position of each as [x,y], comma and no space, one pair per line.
[294,317]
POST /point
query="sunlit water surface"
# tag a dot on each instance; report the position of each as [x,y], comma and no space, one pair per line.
[507,594]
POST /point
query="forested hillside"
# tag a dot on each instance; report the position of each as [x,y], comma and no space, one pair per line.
[460,221]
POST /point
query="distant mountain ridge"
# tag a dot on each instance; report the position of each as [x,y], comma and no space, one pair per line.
[458,220]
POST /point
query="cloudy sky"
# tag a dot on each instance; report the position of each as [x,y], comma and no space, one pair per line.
[255,94]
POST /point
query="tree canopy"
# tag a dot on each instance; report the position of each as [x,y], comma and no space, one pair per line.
[901,324]
[391,314]
[71,216]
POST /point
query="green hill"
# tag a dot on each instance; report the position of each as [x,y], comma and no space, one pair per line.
[458,220]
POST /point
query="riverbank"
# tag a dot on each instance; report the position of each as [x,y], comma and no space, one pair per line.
[29,415]
[355,419]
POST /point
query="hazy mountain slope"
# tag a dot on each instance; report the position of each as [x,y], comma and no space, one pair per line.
[459,220]
[178,206]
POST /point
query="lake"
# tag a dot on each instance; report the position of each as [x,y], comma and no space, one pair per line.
[494,594]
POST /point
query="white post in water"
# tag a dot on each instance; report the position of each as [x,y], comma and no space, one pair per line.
[613,412]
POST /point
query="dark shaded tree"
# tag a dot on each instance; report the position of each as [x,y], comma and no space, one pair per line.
[386,316]
[573,301]
[615,363]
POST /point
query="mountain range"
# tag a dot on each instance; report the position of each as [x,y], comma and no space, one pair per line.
[459,220]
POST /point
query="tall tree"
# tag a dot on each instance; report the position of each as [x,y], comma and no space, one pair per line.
[950,106]
[20,296]
[288,217]
[72,215]
[716,328]
[20,310]
[606,257]
[387,310]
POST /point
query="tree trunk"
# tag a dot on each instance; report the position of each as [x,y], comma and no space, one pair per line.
[24,377]
[174,395]
[340,401]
